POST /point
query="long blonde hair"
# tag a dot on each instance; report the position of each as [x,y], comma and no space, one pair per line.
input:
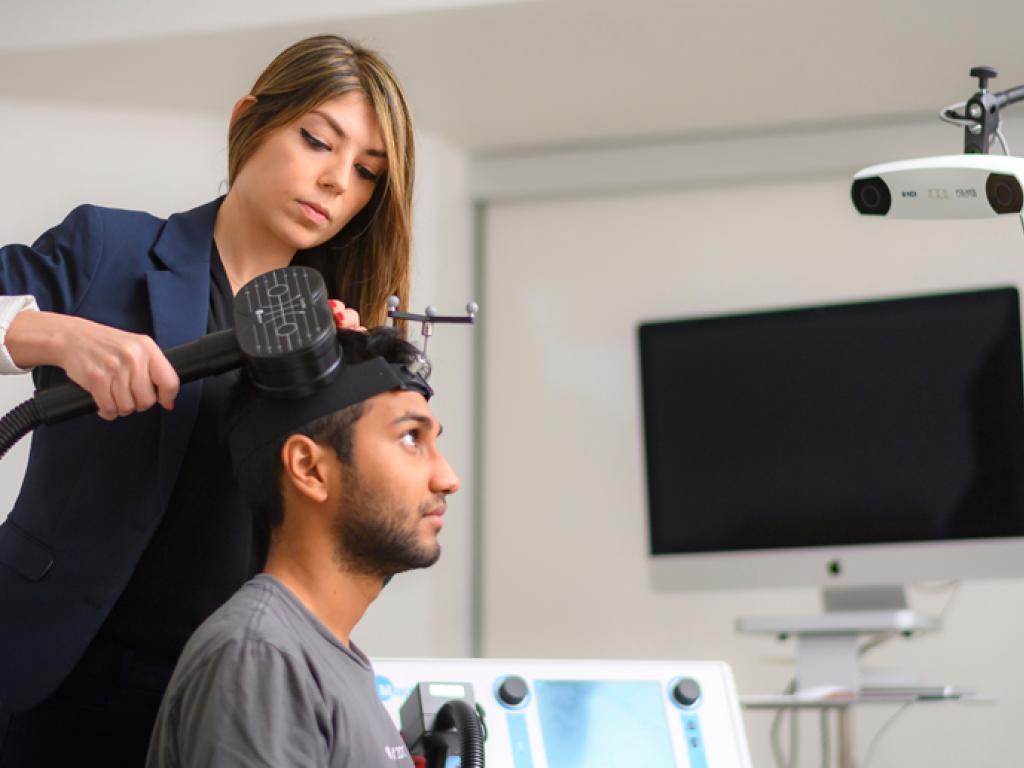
[369,259]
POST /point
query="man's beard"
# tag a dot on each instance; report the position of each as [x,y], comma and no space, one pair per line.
[370,533]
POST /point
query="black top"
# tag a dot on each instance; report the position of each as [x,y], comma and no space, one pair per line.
[207,544]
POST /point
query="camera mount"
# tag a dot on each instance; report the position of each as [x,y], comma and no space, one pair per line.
[979,115]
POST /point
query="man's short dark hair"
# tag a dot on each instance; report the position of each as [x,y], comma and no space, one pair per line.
[259,478]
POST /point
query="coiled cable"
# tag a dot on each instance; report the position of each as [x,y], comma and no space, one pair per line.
[17,423]
[461,715]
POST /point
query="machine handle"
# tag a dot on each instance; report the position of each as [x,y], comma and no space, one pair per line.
[206,356]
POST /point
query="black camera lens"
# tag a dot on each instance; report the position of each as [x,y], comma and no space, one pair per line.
[871,196]
[1004,193]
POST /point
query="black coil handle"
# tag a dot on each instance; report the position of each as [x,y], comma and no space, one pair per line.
[283,334]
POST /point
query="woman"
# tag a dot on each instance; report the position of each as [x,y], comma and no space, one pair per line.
[127,533]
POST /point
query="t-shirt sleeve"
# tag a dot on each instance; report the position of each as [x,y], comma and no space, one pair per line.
[248,704]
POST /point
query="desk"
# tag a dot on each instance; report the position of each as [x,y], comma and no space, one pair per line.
[842,701]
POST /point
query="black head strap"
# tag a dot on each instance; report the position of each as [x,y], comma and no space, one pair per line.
[272,418]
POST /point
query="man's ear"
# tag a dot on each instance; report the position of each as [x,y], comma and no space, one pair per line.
[241,106]
[304,467]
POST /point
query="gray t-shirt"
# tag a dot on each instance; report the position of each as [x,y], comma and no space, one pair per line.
[263,683]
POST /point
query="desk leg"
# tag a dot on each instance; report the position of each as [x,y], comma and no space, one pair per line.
[845,737]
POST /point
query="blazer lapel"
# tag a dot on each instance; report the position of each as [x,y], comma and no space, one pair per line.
[179,297]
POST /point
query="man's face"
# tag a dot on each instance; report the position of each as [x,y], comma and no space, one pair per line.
[392,497]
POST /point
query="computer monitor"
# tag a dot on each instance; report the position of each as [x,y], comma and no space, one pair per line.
[879,442]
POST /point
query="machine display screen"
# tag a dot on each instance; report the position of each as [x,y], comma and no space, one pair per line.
[605,724]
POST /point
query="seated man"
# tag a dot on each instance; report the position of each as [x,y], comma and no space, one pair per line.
[353,488]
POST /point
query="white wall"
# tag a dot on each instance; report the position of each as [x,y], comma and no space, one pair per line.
[57,156]
[565,564]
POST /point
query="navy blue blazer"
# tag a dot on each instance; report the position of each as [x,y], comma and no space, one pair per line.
[94,491]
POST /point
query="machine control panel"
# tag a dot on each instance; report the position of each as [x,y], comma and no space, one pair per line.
[548,713]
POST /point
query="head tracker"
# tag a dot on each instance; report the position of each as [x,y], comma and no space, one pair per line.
[427,320]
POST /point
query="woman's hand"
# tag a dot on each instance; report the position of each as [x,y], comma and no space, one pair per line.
[345,317]
[124,372]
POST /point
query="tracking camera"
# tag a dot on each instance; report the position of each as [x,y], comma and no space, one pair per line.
[946,187]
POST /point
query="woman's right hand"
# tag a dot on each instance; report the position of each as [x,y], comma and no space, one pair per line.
[124,372]
[345,318]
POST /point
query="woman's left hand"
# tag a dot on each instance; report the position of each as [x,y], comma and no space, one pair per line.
[345,317]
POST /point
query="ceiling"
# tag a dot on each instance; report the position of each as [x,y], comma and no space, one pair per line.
[496,77]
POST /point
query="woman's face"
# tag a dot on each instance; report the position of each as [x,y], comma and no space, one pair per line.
[307,180]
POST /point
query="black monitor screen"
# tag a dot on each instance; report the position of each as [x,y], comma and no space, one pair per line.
[886,421]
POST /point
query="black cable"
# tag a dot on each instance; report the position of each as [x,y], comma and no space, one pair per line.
[461,715]
[483,720]
[18,422]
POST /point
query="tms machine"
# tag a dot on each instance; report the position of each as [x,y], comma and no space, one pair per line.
[543,713]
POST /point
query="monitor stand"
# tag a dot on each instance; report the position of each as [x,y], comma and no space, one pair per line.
[829,644]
